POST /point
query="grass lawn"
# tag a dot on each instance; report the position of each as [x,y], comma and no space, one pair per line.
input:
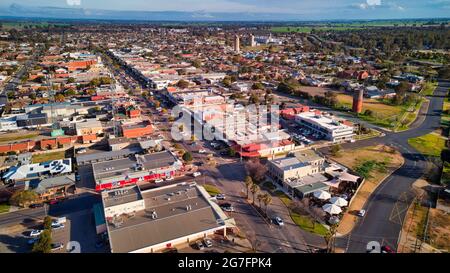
[15,137]
[4,207]
[429,145]
[428,88]
[445,117]
[383,114]
[212,190]
[38,158]
[303,221]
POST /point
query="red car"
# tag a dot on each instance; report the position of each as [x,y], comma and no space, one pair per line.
[53,202]
[387,249]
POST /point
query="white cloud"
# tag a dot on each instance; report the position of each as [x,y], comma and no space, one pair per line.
[373,2]
[73,2]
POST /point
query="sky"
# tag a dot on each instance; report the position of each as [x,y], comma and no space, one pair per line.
[307,9]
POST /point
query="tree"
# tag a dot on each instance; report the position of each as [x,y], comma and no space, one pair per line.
[335,149]
[183,84]
[256,170]
[267,200]
[47,222]
[44,244]
[70,80]
[330,237]
[257,85]
[248,183]
[59,97]
[187,156]
[23,198]
[260,198]
[226,81]
[254,189]
[253,98]
[231,152]
[197,63]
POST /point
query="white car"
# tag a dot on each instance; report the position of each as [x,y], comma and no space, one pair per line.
[36,232]
[220,196]
[158,180]
[196,174]
[201,151]
[279,221]
[169,178]
[57,226]
[81,151]
[361,213]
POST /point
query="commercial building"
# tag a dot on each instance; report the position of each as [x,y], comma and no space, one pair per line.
[89,127]
[161,218]
[135,168]
[136,130]
[295,166]
[31,171]
[325,126]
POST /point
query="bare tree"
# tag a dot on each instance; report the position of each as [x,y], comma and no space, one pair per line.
[256,169]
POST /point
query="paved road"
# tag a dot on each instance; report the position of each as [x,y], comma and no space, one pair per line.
[75,203]
[386,207]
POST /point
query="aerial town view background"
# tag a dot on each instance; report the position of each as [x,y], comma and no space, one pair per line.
[175,132]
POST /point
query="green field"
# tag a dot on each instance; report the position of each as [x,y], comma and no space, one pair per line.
[304,29]
[22,25]
[429,145]
[212,190]
[15,137]
[4,207]
[428,88]
[38,158]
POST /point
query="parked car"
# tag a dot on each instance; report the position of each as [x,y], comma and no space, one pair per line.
[32,241]
[170,178]
[361,213]
[201,151]
[37,205]
[57,226]
[81,151]
[227,207]
[199,245]
[53,202]
[35,232]
[220,196]
[207,242]
[278,221]
[57,246]
[196,174]
[159,180]
[387,249]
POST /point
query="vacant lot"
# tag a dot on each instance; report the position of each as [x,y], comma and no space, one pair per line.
[378,162]
[38,158]
[429,145]
[17,136]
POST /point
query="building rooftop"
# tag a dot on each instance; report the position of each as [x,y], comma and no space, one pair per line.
[121,196]
[178,211]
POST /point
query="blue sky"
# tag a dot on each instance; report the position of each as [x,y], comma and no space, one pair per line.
[307,9]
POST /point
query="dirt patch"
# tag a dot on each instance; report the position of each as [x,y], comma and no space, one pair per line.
[352,159]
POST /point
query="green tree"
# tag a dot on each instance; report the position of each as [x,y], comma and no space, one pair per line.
[47,222]
[70,80]
[257,85]
[23,198]
[187,156]
[254,189]
[335,149]
[267,200]
[44,244]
